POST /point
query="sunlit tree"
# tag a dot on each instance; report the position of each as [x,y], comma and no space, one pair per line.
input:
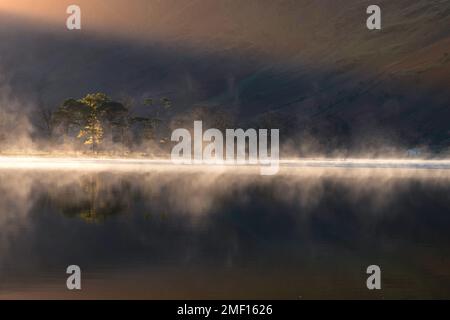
[92,133]
[95,115]
[89,115]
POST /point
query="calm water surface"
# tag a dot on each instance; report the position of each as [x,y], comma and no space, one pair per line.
[193,234]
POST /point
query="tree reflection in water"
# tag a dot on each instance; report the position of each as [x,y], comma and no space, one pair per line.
[92,199]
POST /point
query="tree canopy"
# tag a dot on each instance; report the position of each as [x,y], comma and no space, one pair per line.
[96,113]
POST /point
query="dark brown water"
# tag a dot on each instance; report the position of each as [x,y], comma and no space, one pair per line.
[170,234]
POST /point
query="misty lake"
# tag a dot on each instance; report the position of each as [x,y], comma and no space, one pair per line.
[191,234]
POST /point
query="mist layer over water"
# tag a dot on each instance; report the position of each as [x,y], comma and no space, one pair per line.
[173,233]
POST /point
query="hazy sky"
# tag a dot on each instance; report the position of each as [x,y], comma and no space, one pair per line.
[282,25]
[114,15]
